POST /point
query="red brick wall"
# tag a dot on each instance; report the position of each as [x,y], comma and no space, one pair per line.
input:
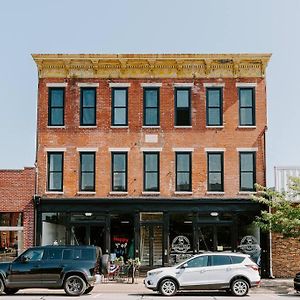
[285,256]
[17,188]
[198,137]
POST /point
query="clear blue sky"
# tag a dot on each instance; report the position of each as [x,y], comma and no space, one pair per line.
[140,26]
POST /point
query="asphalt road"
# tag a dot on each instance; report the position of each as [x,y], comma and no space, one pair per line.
[59,295]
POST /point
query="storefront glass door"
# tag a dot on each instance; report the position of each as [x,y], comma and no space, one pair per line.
[151,245]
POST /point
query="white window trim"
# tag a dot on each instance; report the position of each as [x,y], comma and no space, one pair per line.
[150,193]
[183,127]
[214,149]
[215,193]
[247,193]
[151,84]
[87,149]
[112,126]
[119,84]
[87,84]
[118,193]
[150,127]
[53,193]
[57,84]
[183,149]
[118,149]
[87,127]
[85,193]
[183,84]
[215,126]
[56,126]
[246,84]
[11,228]
[55,149]
[183,193]
[151,149]
[213,84]
[247,127]
[247,149]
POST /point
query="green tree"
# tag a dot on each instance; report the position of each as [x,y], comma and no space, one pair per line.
[283,214]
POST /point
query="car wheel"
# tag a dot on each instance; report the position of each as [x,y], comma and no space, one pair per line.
[1,286]
[239,287]
[88,290]
[168,287]
[8,291]
[74,285]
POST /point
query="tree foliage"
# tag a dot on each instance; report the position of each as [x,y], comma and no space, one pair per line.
[283,214]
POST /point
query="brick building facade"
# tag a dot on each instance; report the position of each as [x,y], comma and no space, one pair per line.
[151,156]
[17,188]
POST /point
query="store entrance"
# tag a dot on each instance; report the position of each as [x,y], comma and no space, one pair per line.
[151,245]
[86,234]
[215,237]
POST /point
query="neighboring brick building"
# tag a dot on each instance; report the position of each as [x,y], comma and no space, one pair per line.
[285,264]
[17,188]
[153,156]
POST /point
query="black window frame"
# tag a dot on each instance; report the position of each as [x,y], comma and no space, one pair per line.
[253,172]
[113,171]
[176,109]
[82,108]
[89,172]
[220,107]
[243,107]
[51,107]
[145,172]
[113,106]
[190,170]
[157,89]
[214,172]
[49,172]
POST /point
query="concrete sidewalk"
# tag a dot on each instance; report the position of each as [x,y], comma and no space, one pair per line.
[276,286]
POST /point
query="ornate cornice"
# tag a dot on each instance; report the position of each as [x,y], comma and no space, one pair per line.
[151,65]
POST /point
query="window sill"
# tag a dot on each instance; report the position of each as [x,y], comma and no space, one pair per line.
[183,127]
[215,193]
[247,193]
[150,127]
[87,127]
[213,127]
[150,193]
[119,126]
[183,193]
[118,193]
[54,193]
[86,193]
[56,127]
[246,127]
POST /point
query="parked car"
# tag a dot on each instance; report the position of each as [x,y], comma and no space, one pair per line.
[72,268]
[297,282]
[233,272]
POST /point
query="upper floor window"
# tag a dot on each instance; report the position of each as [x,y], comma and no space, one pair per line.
[119,171]
[56,107]
[55,171]
[87,171]
[214,107]
[182,107]
[247,106]
[151,106]
[215,172]
[247,171]
[88,106]
[183,171]
[119,106]
[151,171]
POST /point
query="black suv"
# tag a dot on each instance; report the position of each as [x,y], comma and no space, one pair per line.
[72,268]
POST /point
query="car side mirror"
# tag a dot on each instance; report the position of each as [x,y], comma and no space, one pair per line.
[184,266]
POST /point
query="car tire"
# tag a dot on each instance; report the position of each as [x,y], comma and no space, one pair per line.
[89,289]
[168,287]
[239,287]
[8,291]
[74,285]
[1,286]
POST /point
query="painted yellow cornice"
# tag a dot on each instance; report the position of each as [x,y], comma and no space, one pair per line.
[151,65]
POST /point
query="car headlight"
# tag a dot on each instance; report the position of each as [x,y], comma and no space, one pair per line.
[153,273]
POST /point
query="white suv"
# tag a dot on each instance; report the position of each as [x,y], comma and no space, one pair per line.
[234,272]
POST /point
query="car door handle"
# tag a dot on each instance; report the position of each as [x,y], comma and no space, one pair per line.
[228,269]
[36,266]
[202,271]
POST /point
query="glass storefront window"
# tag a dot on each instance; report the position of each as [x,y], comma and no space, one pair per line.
[11,219]
[54,230]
